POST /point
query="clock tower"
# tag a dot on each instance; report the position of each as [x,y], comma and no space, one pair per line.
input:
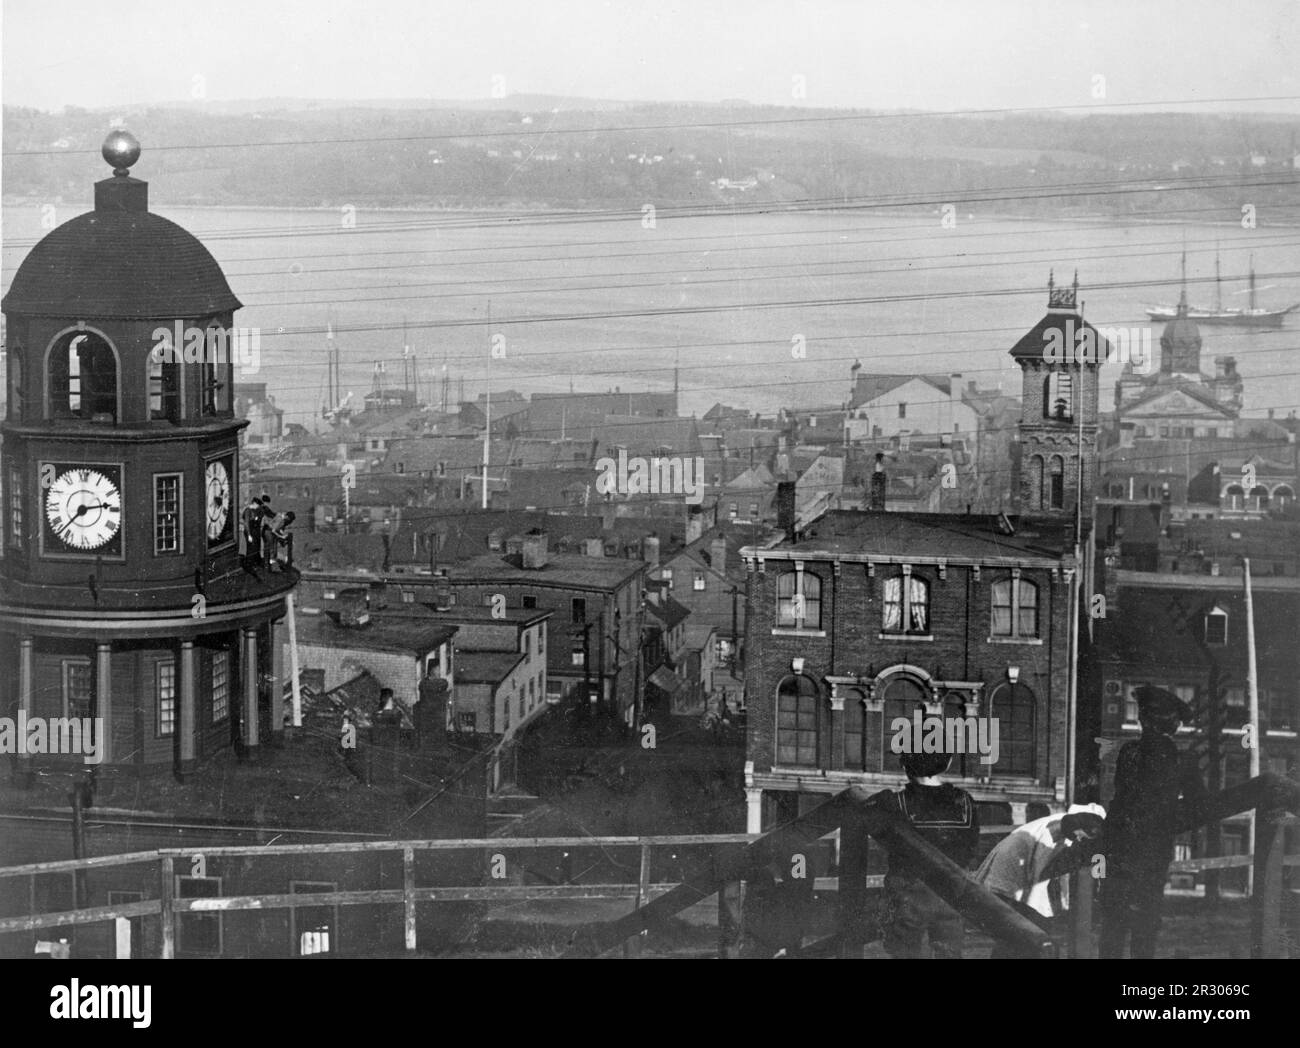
[124,597]
[1059,358]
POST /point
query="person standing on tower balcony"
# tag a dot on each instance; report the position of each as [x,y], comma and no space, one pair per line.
[252,521]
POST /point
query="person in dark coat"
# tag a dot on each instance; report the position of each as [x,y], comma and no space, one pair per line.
[946,817]
[1153,787]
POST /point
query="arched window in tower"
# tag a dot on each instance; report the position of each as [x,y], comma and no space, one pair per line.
[218,373]
[16,377]
[164,389]
[1035,482]
[82,377]
[1055,494]
[1058,395]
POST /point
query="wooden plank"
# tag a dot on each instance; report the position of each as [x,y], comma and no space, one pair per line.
[1082,942]
[87,916]
[167,914]
[408,896]
[68,865]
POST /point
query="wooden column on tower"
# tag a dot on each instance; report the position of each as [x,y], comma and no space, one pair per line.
[249,662]
[188,698]
[104,698]
[25,699]
[277,632]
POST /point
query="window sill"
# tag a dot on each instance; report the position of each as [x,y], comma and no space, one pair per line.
[908,638]
[1015,640]
[790,631]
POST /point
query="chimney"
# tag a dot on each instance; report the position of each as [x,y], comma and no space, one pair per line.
[785,503]
[535,550]
[608,515]
[650,550]
[879,484]
[954,387]
[718,555]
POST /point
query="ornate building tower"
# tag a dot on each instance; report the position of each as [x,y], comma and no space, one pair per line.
[123,594]
[1058,416]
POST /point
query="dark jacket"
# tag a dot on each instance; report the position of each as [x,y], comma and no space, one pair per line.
[1153,788]
[944,816]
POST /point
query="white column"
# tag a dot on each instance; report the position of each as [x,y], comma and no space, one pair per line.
[188,698]
[753,811]
[104,698]
[25,689]
[250,687]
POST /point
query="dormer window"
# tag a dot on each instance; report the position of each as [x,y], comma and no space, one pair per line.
[82,378]
[1216,626]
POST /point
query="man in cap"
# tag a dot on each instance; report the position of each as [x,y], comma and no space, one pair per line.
[1017,868]
[1152,789]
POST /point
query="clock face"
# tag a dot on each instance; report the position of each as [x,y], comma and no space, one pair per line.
[83,509]
[217,501]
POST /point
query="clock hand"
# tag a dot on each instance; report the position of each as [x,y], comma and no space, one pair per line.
[81,510]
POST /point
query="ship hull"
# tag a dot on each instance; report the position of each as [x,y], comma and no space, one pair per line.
[1262,319]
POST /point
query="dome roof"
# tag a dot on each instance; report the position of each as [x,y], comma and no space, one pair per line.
[119,264]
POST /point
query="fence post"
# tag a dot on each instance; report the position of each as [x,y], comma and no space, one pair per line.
[166,913]
[854,847]
[634,943]
[1266,905]
[729,911]
[1082,944]
[408,895]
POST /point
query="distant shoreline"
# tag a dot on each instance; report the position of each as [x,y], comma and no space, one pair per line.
[505,212]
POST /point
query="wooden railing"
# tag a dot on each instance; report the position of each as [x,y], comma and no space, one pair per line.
[726,862]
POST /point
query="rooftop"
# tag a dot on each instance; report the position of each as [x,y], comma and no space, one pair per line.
[977,538]
[562,569]
[485,667]
[405,634]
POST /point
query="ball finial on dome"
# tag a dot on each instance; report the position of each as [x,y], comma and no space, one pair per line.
[121,150]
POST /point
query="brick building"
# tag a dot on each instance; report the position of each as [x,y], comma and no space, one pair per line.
[866,617]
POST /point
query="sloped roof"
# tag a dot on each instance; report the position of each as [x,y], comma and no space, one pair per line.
[486,667]
[1068,324]
[869,387]
[1157,390]
[670,612]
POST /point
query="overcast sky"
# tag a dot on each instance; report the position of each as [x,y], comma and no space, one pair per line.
[925,54]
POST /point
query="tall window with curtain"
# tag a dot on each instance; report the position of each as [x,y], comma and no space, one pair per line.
[1015,608]
[906,605]
[799,600]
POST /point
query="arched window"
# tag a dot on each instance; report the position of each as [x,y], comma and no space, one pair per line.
[903,696]
[1036,482]
[855,731]
[1236,496]
[165,388]
[799,600]
[82,377]
[16,377]
[1015,608]
[1216,626]
[1055,495]
[1258,497]
[797,700]
[1058,395]
[217,370]
[1283,496]
[906,605]
[1012,709]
